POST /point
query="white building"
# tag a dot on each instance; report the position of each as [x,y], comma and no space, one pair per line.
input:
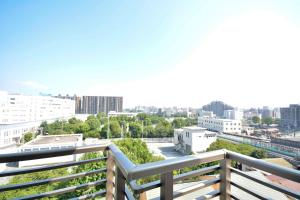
[203,113]
[193,139]
[51,142]
[22,113]
[115,114]
[248,130]
[233,114]
[220,125]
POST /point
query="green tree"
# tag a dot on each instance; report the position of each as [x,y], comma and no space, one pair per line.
[259,153]
[31,177]
[256,119]
[137,151]
[74,120]
[84,127]
[102,118]
[87,179]
[164,129]
[142,116]
[135,129]
[239,148]
[45,126]
[114,130]
[179,122]
[191,121]
[28,136]
[91,134]
[267,120]
[93,122]
[149,131]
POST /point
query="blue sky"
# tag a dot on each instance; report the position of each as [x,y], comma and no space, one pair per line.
[137,49]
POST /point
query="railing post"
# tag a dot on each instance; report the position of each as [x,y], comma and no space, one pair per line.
[143,196]
[110,164]
[225,179]
[166,188]
[120,185]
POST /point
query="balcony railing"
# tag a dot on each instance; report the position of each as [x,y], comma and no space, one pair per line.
[122,174]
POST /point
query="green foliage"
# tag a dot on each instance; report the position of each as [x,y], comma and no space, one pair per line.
[28,136]
[93,122]
[256,119]
[135,129]
[267,120]
[259,153]
[164,129]
[239,148]
[25,178]
[149,131]
[73,120]
[144,125]
[137,151]
[84,127]
[179,122]
[87,179]
[91,134]
[114,130]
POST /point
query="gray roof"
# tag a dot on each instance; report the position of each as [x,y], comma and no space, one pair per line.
[54,139]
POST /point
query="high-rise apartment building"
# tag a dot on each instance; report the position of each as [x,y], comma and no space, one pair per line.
[96,104]
[290,117]
[22,113]
[217,107]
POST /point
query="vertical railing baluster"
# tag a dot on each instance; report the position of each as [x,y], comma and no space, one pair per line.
[225,179]
[120,185]
[143,196]
[166,189]
[110,164]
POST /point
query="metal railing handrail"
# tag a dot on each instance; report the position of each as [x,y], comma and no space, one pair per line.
[164,166]
[31,155]
[287,173]
[127,171]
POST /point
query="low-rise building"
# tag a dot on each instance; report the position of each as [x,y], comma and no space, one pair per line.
[51,142]
[248,130]
[233,114]
[193,139]
[22,113]
[115,114]
[220,125]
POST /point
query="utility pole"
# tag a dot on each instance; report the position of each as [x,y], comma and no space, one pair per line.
[122,136]
[107,136]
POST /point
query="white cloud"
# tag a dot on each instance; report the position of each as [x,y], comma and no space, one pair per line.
[250,60]
[34,85]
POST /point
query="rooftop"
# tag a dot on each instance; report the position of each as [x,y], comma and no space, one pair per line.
[279,161]
[50,139]
[195,128]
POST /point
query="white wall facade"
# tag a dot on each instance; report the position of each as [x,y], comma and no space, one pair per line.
[193,139]
[233,114]
[22,113]
[220,125]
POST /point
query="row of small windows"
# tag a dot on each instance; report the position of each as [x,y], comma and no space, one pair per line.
[220,123]
[233,128]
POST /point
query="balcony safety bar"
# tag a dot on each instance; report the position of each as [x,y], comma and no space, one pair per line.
[32,155]
[122,174]
[48,167]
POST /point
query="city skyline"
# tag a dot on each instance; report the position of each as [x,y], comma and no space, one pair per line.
[160,53]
